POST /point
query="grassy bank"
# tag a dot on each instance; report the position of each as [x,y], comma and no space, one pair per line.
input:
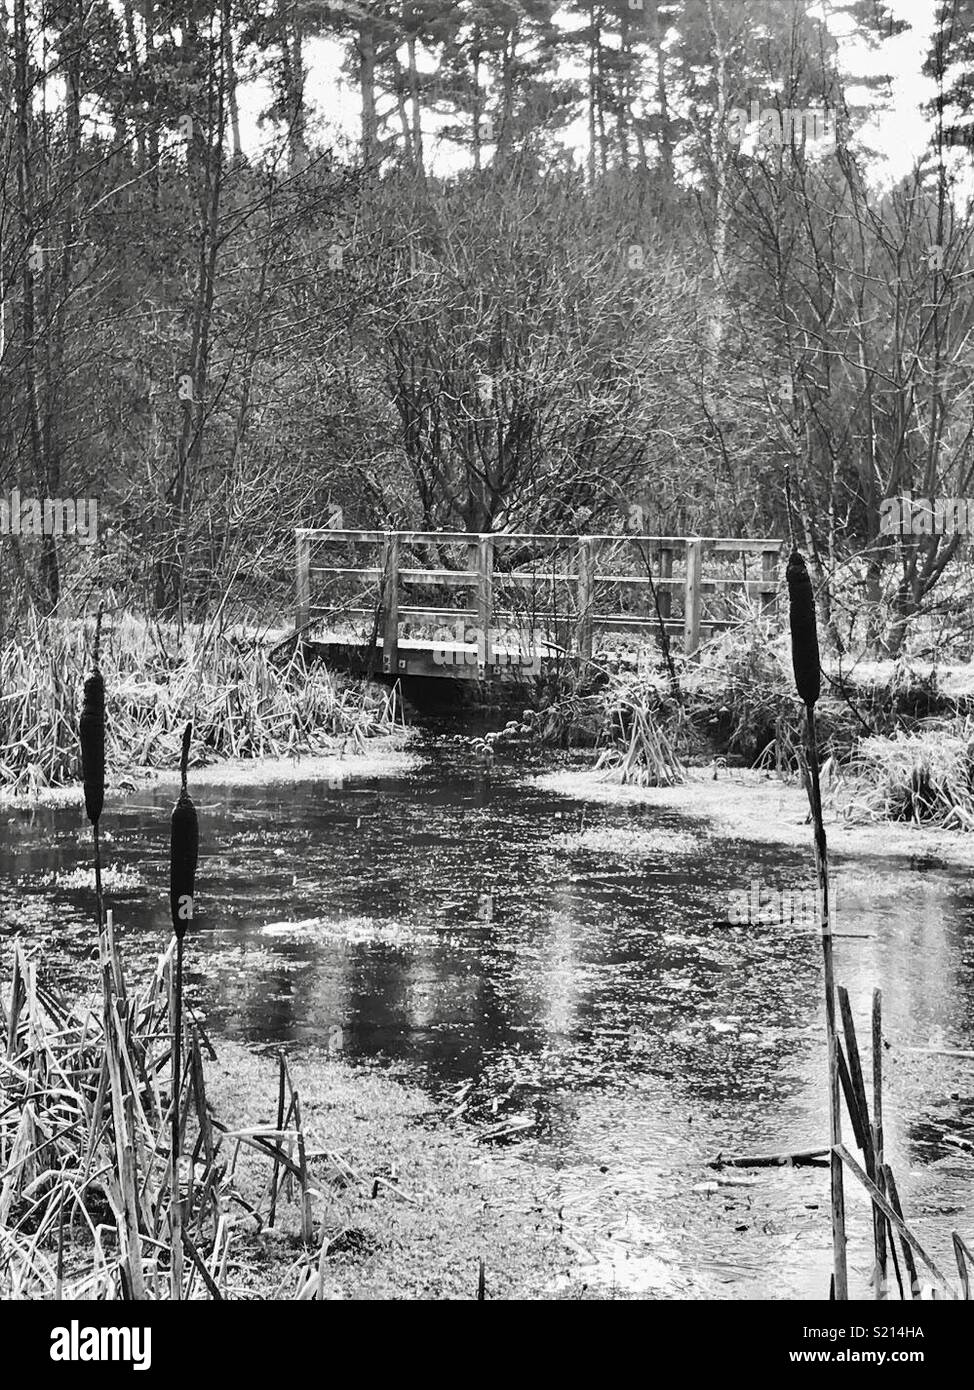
[408,1204]
[896,738]
[762,808]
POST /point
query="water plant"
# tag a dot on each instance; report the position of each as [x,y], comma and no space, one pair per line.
[91,735]
[643,730]
[184,846]
[923,775]
[807,667]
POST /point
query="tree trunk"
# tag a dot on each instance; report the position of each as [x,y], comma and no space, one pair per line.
[207,171]
[365,40]
[133,60]
[416,105]
[236,148]
[592,99]
[662,100]
[22,97]
[152,124]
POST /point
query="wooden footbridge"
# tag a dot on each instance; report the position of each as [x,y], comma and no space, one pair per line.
[459,605]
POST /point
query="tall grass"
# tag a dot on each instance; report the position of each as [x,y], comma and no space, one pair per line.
[925,776]
[87,1201]
[242,702]
[643,731]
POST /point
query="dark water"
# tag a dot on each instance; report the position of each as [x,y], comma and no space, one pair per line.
[601,1006]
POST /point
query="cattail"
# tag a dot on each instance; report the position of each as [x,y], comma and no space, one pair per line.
[804,633]
[184,846]
[805,659]
[91,731]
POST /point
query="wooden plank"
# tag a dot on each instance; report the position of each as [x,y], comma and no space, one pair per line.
[302,580]
[390,605]
[504,538]
[739,546]
[769,573]
[665,582]
[455,579]
[370,571]
[621,621]
[691,598]
[613,621]
[720,543]
[434,537]
[526,578]
[639,580]
[485,595]
[586,596]
[412,612]
[327,534]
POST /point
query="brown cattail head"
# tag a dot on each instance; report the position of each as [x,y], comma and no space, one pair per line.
[184,848]
[91,732]
[804,632]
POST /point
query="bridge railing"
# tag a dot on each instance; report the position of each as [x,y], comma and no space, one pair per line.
[501,566]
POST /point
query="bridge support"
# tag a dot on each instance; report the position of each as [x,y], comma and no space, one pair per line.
[769,573]
[484,555]
[665,593]
[691,598]
[390,603]
[585,595]
[302,579]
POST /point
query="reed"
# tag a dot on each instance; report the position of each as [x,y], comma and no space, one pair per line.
[184,845]
[91,736]
[642,730]
[925,776]
[806,664]
[246,704]
[85,1179]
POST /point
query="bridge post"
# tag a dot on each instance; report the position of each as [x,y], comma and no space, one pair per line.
[585,587]
[769,573]
[691,597]
[302,579]
[390,603]
[485,597]
[665,593]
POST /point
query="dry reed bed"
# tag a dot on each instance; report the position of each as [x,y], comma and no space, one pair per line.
[86,1207]
[243,704]
[924,776]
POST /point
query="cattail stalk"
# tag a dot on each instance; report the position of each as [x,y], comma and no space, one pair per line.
[91,735]
[807,668]
[183,857]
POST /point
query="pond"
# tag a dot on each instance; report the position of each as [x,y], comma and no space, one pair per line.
[590,1009]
